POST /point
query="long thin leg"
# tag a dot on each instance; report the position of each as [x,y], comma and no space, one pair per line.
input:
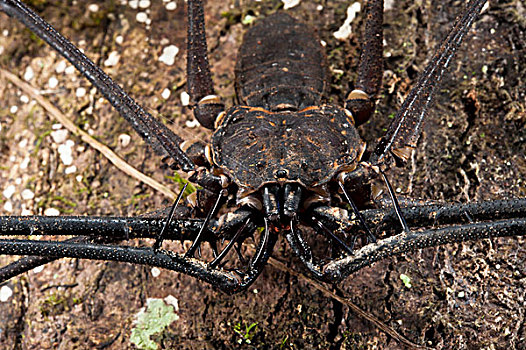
[144,256]
[396,206]
[423,215]
[229,246]
[92,226]
[361,101]
[108,230]
[404,131]
[207,105]
[160,237]
[155,133]
[99,229]
[500,218]
[199,237]
[28,263]
[407,242]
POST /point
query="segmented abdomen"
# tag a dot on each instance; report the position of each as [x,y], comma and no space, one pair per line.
[281,65]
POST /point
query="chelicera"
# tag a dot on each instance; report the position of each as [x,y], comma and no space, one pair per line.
[280,162]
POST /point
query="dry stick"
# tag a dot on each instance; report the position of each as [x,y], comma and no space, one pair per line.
[345,299]
[85,137]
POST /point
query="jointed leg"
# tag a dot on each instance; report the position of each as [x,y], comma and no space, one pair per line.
[361,100]
[404,131]
[496,219]
[207,105]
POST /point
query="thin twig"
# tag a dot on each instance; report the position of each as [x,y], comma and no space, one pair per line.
[346,300]
[85,137]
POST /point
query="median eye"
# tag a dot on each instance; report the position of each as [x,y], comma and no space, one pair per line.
[281,173]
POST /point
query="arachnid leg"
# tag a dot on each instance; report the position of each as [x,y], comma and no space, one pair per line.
[303,251]
[97,232]
[405,129]
[407,242]
[495,219]
[90,229]
[361,101]
[207,105]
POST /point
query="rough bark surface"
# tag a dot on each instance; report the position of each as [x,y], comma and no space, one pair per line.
[464,296]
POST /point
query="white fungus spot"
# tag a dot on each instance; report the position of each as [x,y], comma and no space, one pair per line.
[124,140]
[9,191]
[134,4]
[5,32]
[156,272]
[24,99]
[144,4]
[23,143]
[5,293]
[141,17]
[8,206]
[66,153]
[112,59]
[319,8]
[1,49]
[13,109]
[172,5]
[81,92]
[27,194]
[119,39]
[79,178]
[29,73]
[25,163]
[185,98]
[69,70]
[51,212]
[59,136]
[168,55]
[287,4]
[93,8]
[61,67]
[70,170]
[56,126]
[345,30]
[52,82]
[166,94]
[38,269]
[171,300]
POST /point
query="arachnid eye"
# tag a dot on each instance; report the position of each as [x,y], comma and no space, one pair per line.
[281,173]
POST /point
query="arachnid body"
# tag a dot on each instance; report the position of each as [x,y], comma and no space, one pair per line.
[470,170]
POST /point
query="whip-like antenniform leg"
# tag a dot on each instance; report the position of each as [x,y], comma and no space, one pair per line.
[404,131]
